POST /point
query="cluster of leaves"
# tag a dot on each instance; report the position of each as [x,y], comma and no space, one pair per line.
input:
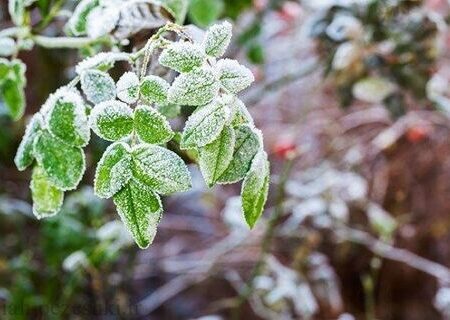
[377,51]
[137,167]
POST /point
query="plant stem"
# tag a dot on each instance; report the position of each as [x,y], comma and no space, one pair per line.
[267,239]
[67,42]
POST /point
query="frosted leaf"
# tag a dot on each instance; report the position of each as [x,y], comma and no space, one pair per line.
[151,126]
[24,156]
[12,87]
[98,86]
[215,157]
[161,169]
[101,21]
[63,164]
[154,89]
[217,39]
[7,47]
[177,8]
[248,143]
[255,188]
[102,61]
[241,114]
[78,21]
[233,76]
[113,170]
[373,89]
[16,10]
[182,56]
[195,88]
[128,87]
[67,119]
[140,209]
[111,120]
[47,199]
[205,125]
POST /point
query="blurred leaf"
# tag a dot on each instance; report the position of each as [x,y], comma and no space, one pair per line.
[204,12]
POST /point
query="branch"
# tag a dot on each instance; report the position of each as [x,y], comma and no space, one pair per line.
[67,42]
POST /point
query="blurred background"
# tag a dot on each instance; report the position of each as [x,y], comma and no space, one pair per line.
[353,98]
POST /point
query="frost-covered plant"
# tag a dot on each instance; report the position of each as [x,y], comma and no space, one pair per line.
[377,51]
[137,168]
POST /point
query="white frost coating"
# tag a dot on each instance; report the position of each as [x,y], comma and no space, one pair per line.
[79,16]
[218,39]
[182,56]
[101,59]
[241,114]
[7,47]
[128,87]
[98,86]
[102,21]
[111,120]
[71,94]
[234,76]
[195,88]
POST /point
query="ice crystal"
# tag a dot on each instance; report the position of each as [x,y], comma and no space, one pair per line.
[182,56]
[154,89]
[248,143]
[233,76]
[205,125]
[113,170]
[78,21]
[255,188]
[140,209]
[217,39]
[47,199]
[241,114]
[195,88]
[128,87]
[111,120]
[161,169]
[63,164]
[102,61]
[151,126]
[98,86]
[215,157]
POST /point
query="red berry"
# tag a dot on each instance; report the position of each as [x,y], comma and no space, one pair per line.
[417,134]
[285,149]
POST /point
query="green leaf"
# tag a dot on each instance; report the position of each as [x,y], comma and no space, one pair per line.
[111,120]
[16,10]
[98,86]
[248,143]
[169,110]
[233,76]
[47,199]
[161,169]
[24,156]
[182,56]
[195,88]
[78,21]
[216,157]
[113,170]
[154,89]
[151,126]
[255,188]
[63,164]
[12,94]
[140,210]
[67,119]
[205,125]
[217,39]
[205,12]
[177,8]
[240,114]
[128,87]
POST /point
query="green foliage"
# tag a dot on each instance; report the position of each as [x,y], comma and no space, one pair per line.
[154,89]
[12,83]
[113,171]
[136,169]
[111,120]
[47,199]
[63,164]
[204,12]
[255,188]
[215,157]
[151,126]
[78,21]
[98,86]
[140,209]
